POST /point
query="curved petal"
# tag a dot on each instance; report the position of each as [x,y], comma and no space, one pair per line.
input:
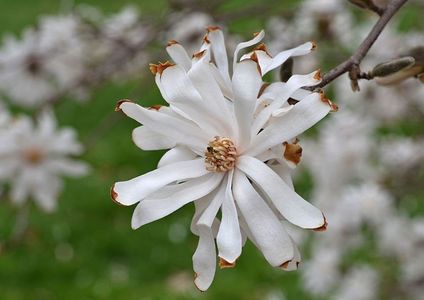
[173,197]
[281,57]
[279,92]
[293,207]
[147,139]
[204,82]
[179,55]
[181,93]
[256,39]
[176,154]
[297,258]
[304,115]
[134,190]
[247,82]
[268,232]
[216,38]
[204,259]
[283,170]
[180,131]
[229,240]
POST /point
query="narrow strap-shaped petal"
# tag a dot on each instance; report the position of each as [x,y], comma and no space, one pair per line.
[147,139]
[279,92]
[297,258]
[173,197]
[226,87]
[180,131]
[204,82]
[283,170]
[247,82]
[204,259]
[203,264]
[179,55]
[216,38]
[247,44]
[181,93]
[293,207]
[176,154]
[304,115]
[229,240]
[134,190]
[281,57]
[269,233]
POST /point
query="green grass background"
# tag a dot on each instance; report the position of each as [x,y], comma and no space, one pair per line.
[87,250]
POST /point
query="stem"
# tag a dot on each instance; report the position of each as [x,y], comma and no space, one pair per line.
[346,66]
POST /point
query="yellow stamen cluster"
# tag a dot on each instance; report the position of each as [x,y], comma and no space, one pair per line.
[220,155]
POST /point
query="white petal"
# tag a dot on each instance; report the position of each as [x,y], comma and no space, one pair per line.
[176,154]
[179,55]
[147,139]
[216,38]
[204,259]
[181,93]
[203,80]
[226,87]
[283,170]
[297,258]
[132,191]
[269,234]
[279,93]
[182,132]
[293,207]
[173,197]
[247,44]
[246,85]
[281,57]
[229,240]
[304,115]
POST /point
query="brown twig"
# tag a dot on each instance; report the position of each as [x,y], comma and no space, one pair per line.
[352,64]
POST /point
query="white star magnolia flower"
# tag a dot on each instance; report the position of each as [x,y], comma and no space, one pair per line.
[32,159]
[230,140]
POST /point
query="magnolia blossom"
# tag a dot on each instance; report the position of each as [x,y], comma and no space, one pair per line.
[43,62]
[32,157]
[232,145]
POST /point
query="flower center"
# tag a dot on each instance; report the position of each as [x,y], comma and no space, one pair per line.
[33,156]
[220,155]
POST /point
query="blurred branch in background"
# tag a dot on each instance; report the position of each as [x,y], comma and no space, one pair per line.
[352,64]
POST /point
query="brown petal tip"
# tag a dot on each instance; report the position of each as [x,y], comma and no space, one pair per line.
[285,265]
[314,45]
[156,107]
[172,42]
[254,57]
[334,107]
[212,28]
[223,264]
[317,75]
[114,195]
[160,67]
[323,227]
[199,55]
[293,152]
[255,34]
[262,47]
[120,102]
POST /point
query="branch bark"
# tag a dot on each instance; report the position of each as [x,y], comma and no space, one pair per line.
[352,64]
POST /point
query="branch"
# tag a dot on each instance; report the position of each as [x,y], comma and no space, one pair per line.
[352,64]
